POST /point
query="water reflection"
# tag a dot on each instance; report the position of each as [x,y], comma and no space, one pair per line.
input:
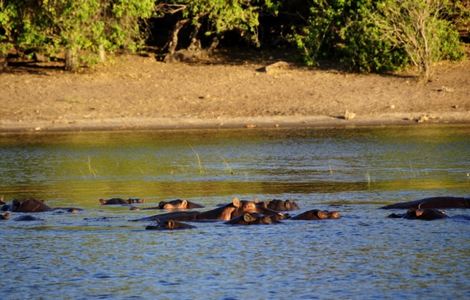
[85,166]
[362,255]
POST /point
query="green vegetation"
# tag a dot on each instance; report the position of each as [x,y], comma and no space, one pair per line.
[368,35]
[218,16]
[78,29]
[362,35]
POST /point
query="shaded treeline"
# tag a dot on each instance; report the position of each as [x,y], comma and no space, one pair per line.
[362,35]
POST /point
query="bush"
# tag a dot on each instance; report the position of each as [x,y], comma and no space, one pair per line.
[82,29]
[360,34]
[418,27]
[212,19]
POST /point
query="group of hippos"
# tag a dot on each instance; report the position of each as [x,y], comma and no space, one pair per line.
[237,212]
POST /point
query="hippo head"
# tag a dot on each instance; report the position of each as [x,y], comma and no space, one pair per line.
[29,205]
[425,214]
[135,200]
[175,204]
[321,214]
[242,206]
[254,218]
[5,216]
[334,215]
[169,224]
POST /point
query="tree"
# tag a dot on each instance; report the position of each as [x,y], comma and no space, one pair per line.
[219,16]
[341,30]
[418,27]
[81,30]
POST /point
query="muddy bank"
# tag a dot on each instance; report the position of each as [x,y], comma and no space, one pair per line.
[133,92]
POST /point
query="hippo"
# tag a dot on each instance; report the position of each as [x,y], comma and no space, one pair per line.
[34,205]
[280,205]
[72,210]
[316,214]
[5,216]
[29,205]
[236,209]
[224,213]
[254,218]
[433,202]
[27,218]
[120,201]
[427,214]
[169,225]
[175,204]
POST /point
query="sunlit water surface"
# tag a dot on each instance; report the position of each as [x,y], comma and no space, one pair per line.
[364,255]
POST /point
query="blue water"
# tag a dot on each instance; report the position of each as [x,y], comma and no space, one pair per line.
[363,255]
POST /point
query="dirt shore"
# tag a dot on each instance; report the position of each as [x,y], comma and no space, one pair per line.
[132,92]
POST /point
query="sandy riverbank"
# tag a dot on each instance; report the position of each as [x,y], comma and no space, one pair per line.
[132,92]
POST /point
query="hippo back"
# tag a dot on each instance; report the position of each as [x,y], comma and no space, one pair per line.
[433,202]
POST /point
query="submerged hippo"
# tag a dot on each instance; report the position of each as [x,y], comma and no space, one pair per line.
[427,214]
[27,218]
[175,204]
[5,216]
[316,214]
[280,205]
[224,213]
[35,205]
[72,210]
[433,202]
[255,219]
[29,205]
[120,201]
[170,225]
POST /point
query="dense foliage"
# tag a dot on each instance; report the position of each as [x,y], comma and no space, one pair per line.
[381,35]
[76,28]
[363,35]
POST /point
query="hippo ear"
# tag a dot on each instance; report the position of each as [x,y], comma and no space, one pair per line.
[334,215]
[184,203]
[171,224]
[248,218]
[102,201]
[236,202]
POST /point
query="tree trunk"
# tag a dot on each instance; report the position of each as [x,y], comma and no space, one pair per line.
[174,40]
[214,45]
[102,53]
[3,63]
[195,42]
[71,63]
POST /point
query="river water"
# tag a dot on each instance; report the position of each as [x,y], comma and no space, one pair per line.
[99,254]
